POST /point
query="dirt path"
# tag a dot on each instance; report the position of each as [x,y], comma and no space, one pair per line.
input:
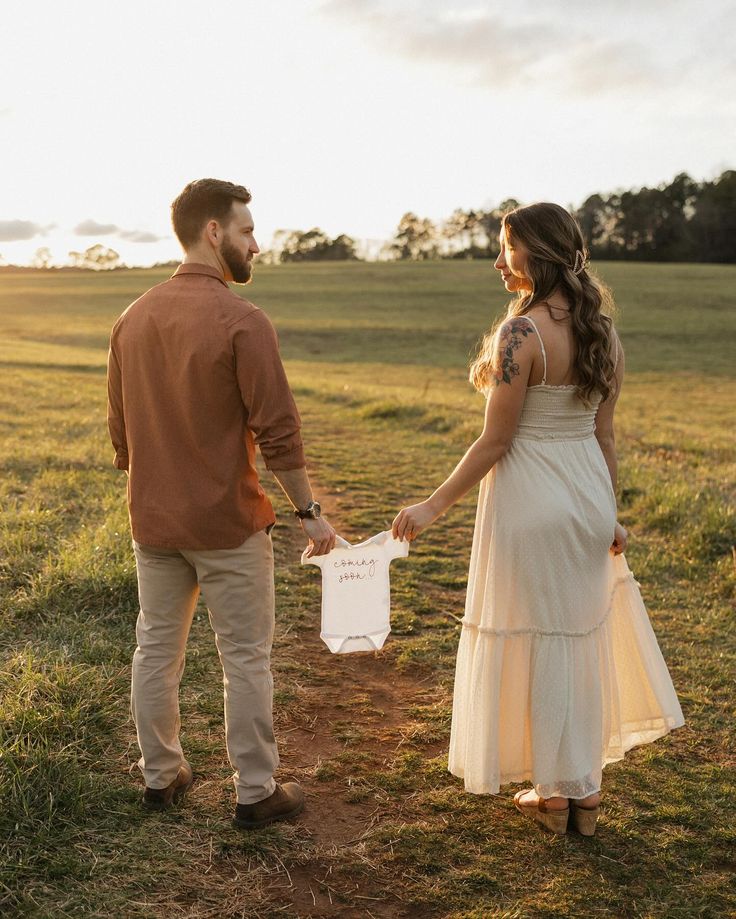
[355,706]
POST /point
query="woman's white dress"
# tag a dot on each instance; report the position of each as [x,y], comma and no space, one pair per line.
[558,669]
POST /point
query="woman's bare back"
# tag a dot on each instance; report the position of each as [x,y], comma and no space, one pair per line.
[555,330]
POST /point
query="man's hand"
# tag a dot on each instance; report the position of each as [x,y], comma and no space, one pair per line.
[321,536]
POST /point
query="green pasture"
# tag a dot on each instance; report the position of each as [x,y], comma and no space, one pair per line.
[377,355]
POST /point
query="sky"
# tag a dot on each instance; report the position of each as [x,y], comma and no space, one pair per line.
[344,114]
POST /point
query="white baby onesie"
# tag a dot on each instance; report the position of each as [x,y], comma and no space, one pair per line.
[356,605]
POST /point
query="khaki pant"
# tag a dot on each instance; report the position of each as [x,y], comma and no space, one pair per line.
[237,585]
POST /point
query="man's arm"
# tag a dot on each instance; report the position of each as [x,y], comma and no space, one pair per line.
[274,420]
[295,483]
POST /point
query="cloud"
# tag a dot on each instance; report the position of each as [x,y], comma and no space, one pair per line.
[14,230]
[598,66]
[578,48]
[140,236]
[480,43]
[93,228]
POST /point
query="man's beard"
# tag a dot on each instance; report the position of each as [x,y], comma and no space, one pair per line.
[240,267]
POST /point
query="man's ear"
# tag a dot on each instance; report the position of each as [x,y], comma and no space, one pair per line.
[213,232]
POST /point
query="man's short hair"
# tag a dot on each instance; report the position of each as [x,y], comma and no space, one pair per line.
[203,200]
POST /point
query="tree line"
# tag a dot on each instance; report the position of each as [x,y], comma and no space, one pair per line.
[94,258]
[683,221]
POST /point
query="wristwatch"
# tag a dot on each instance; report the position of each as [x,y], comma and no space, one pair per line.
[311,512]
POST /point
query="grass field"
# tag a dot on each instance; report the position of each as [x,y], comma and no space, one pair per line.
[377,357]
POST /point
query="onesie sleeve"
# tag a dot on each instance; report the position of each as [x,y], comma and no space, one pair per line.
[396,548]
[314,560]
[318,560]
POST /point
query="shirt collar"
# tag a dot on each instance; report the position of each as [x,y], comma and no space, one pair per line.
[196,268]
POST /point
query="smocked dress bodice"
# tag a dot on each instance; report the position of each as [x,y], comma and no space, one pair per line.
[556,413]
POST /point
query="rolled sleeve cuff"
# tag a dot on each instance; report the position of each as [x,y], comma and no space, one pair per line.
[121,459]
[285,459]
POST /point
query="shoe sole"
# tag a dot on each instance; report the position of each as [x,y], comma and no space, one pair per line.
[558,827]
[585,820]
[256,824]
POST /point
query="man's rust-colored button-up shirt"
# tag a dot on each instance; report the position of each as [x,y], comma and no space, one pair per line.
[195,380]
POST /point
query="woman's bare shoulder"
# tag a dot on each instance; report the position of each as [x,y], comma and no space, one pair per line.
[520,321]
[513,327]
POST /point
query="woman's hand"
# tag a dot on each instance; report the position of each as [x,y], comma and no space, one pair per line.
[410,521]
[620,540]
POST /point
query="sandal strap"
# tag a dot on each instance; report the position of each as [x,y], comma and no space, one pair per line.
[542,806]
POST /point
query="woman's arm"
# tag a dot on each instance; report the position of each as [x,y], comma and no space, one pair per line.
[607,444]
[604,430]
[606,437]
[517,346]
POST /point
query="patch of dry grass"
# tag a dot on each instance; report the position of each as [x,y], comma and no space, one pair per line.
[377,361]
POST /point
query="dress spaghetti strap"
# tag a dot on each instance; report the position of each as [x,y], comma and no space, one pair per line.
[544,353]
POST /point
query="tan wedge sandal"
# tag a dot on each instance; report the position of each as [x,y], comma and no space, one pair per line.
[555,820]
[584,819]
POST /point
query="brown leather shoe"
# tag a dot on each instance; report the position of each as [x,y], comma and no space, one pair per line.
[160,799]
[286,801]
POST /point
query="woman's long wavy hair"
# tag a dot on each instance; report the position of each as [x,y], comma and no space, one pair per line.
[556,250]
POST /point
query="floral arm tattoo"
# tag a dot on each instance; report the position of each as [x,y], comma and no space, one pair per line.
[510,340]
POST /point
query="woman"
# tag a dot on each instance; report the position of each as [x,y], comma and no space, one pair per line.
[558,670]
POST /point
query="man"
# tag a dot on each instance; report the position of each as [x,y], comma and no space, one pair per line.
[195,381]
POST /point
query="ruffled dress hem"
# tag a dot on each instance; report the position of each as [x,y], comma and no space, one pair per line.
[612,692]
[636,735]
